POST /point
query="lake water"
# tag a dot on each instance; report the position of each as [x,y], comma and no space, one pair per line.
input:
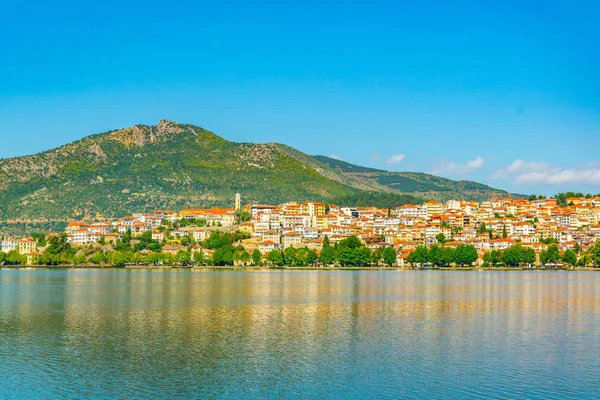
[299,334]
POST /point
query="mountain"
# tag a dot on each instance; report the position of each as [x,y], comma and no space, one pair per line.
[173,166]
[414,183]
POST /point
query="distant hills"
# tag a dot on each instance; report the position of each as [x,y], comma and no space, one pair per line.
[173,166]
[416,184]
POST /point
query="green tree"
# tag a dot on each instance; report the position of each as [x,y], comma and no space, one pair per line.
[245,258]
[389,256]
[289,256]
[482,228]
[275,257]
[311,257]
[127,238]
[256,257]
[441,238]
[327,255]
[351,242]
[418,256]
[493,257]
[550,255]
[199,258]
[346,257]
[183,257]
[326,242]
[362,256]
[569,257]
[79,259]
[465,254]
[14,258]
[97,258]
[527,256]
[594,254]
[504,232]
[511,257]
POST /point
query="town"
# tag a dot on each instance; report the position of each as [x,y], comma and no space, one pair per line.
[526,233]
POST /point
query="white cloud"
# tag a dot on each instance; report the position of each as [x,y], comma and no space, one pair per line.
[524,172]
[396,158]
[451,168]
[336,157]
[375,156]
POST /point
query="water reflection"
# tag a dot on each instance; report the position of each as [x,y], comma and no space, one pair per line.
[196,334]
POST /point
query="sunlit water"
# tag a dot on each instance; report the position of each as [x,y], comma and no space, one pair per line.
[310,334]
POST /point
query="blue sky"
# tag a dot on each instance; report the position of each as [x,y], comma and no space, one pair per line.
[506,94]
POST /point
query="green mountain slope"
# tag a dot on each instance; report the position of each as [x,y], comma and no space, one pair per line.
[173,166]
[145,167]
[417,184]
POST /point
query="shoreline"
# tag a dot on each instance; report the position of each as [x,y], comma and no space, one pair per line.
[233,268]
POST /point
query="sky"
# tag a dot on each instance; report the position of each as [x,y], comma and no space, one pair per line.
[506,94]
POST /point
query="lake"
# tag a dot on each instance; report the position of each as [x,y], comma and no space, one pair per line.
[130,334]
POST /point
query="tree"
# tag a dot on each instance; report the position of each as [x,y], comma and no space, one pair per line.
[127,237]
[434,255]
[256,257]
[441,238]
[351,242]
[389,256]
[275,257]
[2,257]
[327,255]
[199,257]
[493,257]
[511,257]
[102,240]
[527,256]
[445,256]
[326,242]
[362,255]
[418,256]
[245,258]
[183,257]
[594,254]
[79,259]
[482,228]
[569,257]
[289,255]
[465,254]
[97,258]
[14,258]
[59,251]
[346,257]
[504,232]
[311,257]
[550,255]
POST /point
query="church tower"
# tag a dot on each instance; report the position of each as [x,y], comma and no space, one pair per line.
[238,202]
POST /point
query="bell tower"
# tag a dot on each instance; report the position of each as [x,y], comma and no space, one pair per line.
[238,202]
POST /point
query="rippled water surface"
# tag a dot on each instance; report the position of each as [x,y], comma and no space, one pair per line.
[194,334]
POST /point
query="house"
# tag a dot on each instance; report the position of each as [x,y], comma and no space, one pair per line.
[9,244]
[267,246]
[27,246]
[170,249]
[160,236]
[200,234]
[271,236]
[291,239]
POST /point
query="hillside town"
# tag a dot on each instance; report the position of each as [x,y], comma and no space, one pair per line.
[491,227]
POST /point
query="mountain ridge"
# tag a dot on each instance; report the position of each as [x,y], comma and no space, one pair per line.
[171,165]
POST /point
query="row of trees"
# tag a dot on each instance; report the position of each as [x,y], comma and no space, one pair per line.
[349,252]
[462,255]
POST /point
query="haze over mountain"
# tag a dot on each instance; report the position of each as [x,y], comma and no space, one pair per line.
[174,165]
